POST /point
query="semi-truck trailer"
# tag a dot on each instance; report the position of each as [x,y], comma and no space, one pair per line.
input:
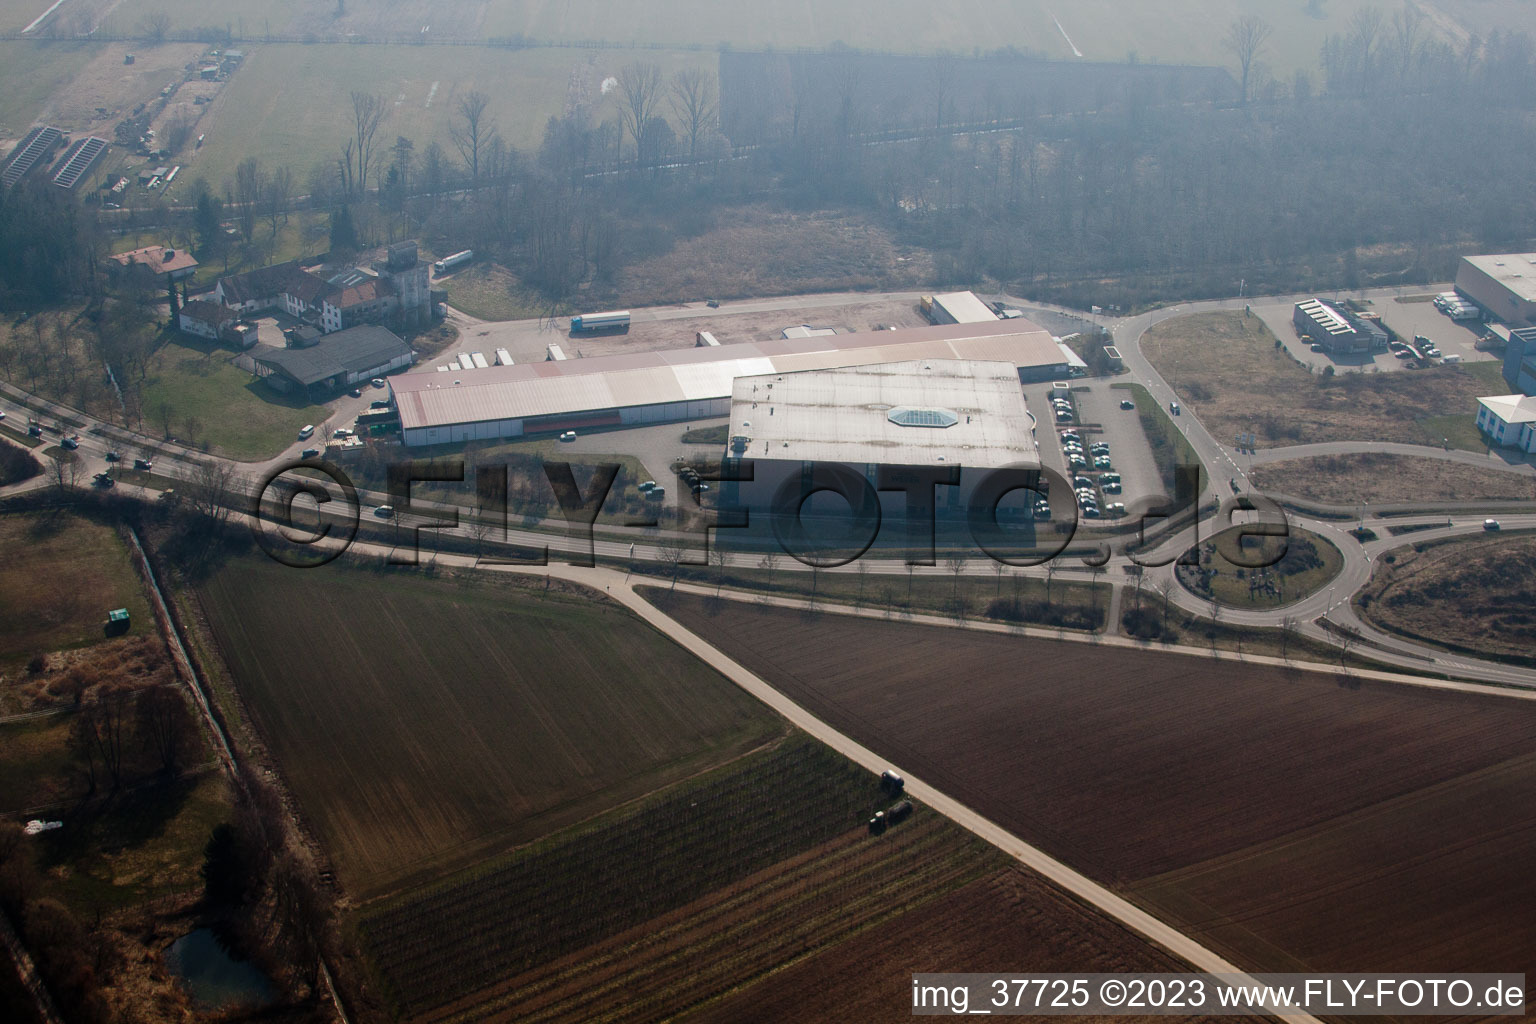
[453,262]
[590,323]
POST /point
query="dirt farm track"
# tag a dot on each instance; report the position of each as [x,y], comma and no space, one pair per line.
[1293,820]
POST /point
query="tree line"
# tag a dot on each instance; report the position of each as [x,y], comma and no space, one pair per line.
[1381,165]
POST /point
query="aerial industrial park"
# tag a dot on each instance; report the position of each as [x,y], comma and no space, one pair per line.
[668,515]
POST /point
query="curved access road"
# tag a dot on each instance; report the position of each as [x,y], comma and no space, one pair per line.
[1507,461]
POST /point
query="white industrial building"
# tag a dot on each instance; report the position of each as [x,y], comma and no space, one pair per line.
[455,406]
[960,308]
[1503,284]
[834,452]
[1509,421]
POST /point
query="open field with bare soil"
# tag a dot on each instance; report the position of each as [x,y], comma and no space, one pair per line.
[741,869]
[1471,595]
[424,724]
[1227,369]
[754,251]
[1376,478]
[1131,765]
[1010,920]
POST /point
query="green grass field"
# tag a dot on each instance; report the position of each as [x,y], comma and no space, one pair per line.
[425,724]
[489,292]
[62,575]
[1183,31]
[236,414]
[32,72]
[289,104]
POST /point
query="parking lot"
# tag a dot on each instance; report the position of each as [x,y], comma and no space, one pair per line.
[1451,337]
[1406,318]
[1098,418]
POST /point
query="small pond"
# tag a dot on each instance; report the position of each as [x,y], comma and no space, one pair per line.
[212,975]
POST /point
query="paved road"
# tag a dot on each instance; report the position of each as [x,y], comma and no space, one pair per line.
[1498,459]
[618,586]
[177,461]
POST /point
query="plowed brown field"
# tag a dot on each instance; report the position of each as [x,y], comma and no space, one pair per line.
[1289,818]
[1011,921]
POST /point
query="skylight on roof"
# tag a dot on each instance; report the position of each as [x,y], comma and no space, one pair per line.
[909,416]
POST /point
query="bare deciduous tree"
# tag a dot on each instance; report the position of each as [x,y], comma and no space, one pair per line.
[769,561]
[368,112]
[1246,38]
[156,26]
[212,489]
[671,551]
[164,725]
[250,186]
[639,95]
[472,130]
[64,470]
[278,194]
[695,105]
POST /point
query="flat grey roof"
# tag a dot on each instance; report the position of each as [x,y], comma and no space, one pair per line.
[694,374]
[920,412]
[1515,271]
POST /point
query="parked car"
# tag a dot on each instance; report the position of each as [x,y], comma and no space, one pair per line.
[1102,462]
[377,382]
[1126,403]
[1070,435]
[713,303]
[343,432]
[1317,348]
[1099,447]
[1115,509]
[1076,462]
[1064,415]
[103,480]
[1173,407]
[310,453]
[379,403]
[1111,486]
[356,392]
[35,430]
[2,415]
[307,432]
[568,435]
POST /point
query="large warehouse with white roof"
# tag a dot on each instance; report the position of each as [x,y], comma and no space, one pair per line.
[455,406]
